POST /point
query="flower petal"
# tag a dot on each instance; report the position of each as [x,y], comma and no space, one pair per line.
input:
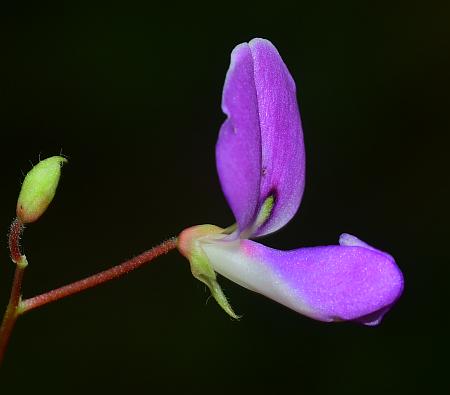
[283,153]
[260,152]
[330,283]
[238,149]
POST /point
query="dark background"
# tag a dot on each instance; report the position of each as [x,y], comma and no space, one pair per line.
[132,96]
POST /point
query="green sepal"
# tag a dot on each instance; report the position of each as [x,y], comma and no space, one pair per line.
[202,270]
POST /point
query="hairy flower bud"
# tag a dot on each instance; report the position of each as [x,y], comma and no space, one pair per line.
[38,189]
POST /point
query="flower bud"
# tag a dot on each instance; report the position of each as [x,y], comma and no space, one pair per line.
[38,189]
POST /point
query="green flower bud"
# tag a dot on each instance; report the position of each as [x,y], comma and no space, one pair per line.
[38,189]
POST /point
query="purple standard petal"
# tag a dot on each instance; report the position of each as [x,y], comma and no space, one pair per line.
[331,283]
[260,152]
[238,149]
[283,152]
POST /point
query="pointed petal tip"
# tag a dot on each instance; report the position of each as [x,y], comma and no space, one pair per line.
[374,318]
[346,239]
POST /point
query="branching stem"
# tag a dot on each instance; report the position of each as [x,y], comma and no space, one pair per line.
[17,306]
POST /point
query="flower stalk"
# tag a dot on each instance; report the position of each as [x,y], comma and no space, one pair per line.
[97,279]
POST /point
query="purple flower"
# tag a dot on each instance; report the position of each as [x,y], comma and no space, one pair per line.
[261,165]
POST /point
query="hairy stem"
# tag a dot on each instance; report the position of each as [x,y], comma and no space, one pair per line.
[97,279]
[11,313]
[15,232]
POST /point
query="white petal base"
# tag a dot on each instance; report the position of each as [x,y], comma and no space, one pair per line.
[231,260]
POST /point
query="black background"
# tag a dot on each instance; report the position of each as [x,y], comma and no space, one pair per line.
[132,96]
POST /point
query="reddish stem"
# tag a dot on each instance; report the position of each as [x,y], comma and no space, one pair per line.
[11,313]
[97,279]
